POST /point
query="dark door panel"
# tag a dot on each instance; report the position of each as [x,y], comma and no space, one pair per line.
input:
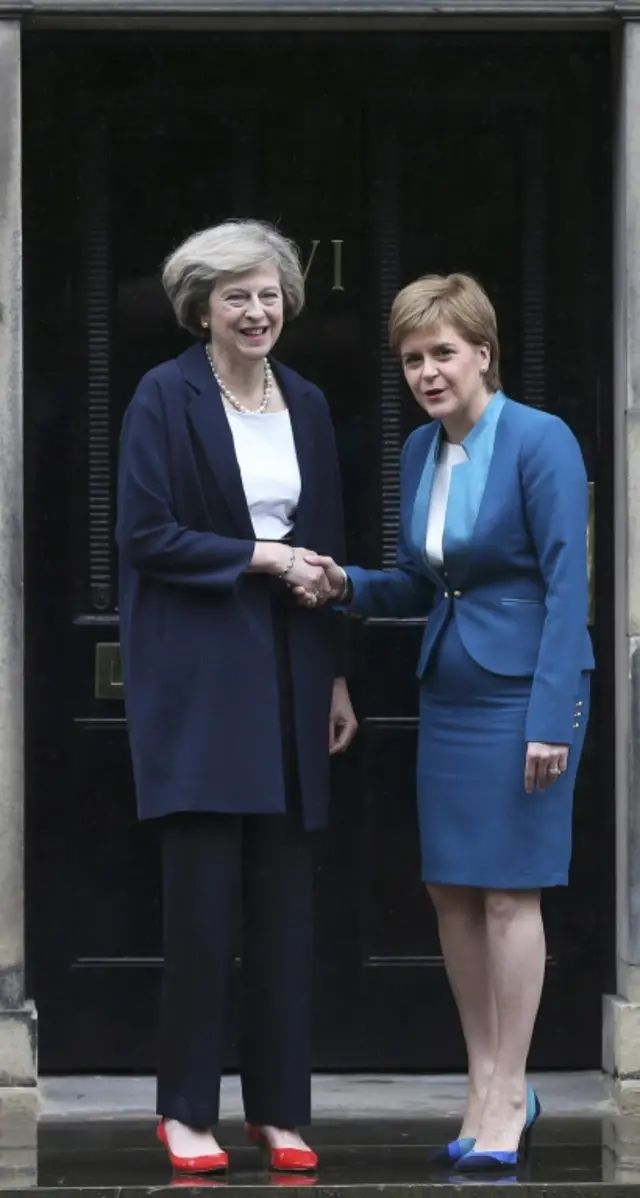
[413,154]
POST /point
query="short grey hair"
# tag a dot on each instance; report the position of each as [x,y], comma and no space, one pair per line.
[191,272]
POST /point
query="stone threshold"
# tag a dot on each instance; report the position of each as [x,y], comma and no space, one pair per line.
[335,1096]
[390,1190]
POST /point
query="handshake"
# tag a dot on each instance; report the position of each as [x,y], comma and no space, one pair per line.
[314,579]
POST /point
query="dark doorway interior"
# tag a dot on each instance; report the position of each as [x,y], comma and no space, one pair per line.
[384,157]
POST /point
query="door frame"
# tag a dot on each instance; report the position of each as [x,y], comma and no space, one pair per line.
[187,24]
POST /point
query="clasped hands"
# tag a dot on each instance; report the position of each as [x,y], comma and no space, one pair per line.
[315,579]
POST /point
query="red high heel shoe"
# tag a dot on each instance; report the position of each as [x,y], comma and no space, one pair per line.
[284,1160]
[215,1162]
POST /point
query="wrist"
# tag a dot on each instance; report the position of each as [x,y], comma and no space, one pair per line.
[345,593]
[284,571]
[345,583]
[270,557]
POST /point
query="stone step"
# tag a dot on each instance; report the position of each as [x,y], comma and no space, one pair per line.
[111,1159]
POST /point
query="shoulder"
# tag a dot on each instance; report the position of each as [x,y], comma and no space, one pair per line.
[536,425]
[163,378]
[546,445]
[166,376]
[153,398]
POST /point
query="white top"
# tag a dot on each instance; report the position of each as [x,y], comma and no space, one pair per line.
[450,455]
[268,463]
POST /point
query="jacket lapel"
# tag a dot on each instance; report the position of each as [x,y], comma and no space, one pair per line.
[493,496]
[420,509]
[469,482]
[206,414]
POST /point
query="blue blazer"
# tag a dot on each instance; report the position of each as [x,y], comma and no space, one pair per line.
[515,557]
[199,667]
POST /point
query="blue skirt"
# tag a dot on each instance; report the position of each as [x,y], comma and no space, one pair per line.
[478,825]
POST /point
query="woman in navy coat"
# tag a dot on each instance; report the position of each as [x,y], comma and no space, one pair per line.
[492,548]
[235,695]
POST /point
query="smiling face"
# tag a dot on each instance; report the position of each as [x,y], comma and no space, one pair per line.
[246,313]
[446,375]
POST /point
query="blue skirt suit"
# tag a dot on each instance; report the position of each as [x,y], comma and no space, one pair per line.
[506,654]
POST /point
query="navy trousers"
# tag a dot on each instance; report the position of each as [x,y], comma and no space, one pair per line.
[208,860]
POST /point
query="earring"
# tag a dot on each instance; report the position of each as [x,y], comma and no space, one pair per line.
[205,324]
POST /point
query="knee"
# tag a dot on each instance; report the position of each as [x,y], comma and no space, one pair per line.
[193,951]
[503,907]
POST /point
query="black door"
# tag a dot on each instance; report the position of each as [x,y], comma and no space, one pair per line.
[384,157]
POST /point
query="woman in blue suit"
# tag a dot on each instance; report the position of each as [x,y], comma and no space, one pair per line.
[492,548]
[235,696]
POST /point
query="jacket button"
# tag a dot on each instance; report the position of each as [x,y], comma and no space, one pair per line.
[446,595]
[457,594]
[576,725]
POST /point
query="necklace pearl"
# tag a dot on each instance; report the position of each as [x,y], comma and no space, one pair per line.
[230,397]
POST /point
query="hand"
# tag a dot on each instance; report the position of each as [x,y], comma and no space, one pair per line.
[307,574]
[335,578]
[272,557]
[343,724]
[544,765]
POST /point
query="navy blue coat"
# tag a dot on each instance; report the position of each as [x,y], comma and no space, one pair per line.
[199,666]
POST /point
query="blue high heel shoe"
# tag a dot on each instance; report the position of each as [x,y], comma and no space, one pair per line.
[485,1162]
[452,1152]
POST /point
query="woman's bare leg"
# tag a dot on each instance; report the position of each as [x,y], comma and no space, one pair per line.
[463,937]
[517,953]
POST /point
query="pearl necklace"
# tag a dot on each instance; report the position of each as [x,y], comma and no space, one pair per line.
[235,403]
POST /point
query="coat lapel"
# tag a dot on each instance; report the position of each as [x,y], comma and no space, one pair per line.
[296,391]
[206,414]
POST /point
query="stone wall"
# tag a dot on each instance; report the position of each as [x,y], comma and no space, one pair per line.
[17,1016]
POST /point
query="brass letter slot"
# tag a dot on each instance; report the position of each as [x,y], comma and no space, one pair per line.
[108,675]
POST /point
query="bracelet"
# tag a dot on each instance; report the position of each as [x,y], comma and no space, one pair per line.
[289,566]
[345,588]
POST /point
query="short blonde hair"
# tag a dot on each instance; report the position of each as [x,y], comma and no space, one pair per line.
[457,300]
[191,272]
